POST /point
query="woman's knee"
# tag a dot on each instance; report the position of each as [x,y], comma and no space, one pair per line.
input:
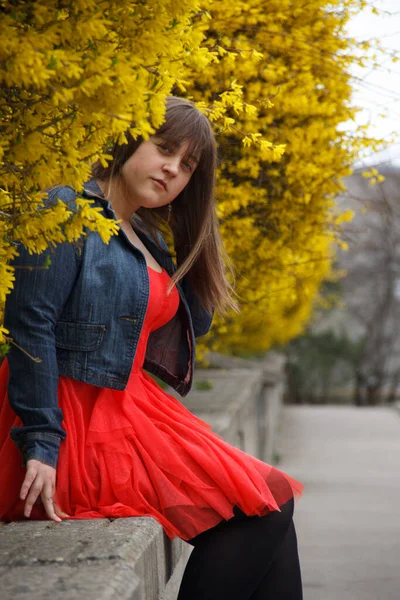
[287,510]
[283,517]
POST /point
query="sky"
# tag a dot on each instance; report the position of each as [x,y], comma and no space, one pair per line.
[377,91]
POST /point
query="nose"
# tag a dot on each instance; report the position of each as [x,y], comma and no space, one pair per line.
[171,165]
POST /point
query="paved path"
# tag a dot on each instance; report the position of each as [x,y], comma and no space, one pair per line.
[348,520]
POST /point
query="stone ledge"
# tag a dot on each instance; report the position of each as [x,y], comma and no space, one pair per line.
[99,559]
[271,366]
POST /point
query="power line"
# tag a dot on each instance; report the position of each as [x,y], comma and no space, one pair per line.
[378,88]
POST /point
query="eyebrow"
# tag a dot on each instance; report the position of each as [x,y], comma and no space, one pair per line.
[193,158]
[175,147]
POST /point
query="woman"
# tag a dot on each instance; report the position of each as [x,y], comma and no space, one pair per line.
[79,406]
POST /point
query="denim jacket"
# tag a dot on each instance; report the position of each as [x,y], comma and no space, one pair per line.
[83,317]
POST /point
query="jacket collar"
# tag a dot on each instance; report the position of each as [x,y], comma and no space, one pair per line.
[91,189]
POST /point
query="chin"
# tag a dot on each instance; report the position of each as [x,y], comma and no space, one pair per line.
[153,204]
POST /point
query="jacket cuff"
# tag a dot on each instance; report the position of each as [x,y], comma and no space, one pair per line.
[38,446]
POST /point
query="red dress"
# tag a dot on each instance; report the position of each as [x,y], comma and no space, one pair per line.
[141,452]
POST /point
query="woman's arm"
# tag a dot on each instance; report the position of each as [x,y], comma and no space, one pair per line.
[31,313]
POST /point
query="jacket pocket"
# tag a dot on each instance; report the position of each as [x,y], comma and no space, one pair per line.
[79,336]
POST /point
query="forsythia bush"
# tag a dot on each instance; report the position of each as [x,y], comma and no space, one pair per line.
[277,213]
[273,77]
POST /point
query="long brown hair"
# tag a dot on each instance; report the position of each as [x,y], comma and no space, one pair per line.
[198,246]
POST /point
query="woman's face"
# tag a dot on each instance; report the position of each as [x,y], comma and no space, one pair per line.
[156,173]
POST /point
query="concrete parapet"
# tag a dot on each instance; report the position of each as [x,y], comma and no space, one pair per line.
[102,559]
[132,558]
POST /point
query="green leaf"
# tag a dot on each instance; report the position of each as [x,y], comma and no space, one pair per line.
[47,262]
[4,348]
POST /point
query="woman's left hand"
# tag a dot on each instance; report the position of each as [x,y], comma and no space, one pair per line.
[40,480]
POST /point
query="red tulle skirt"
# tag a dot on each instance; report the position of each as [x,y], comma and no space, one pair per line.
[141,452]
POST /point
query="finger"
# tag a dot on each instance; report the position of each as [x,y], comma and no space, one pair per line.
[34,492]
[60,512]
[47,499]
[57,508]
[26,484]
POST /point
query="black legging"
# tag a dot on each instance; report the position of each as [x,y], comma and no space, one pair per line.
[245,558]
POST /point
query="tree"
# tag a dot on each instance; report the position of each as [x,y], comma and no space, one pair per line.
[371,288]
[276,199]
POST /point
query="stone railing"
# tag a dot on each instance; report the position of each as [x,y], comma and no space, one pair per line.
[133,559]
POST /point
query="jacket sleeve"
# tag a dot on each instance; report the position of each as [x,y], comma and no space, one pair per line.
[200,317]
[31,313]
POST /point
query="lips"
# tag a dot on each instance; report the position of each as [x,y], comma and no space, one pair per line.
[161,182]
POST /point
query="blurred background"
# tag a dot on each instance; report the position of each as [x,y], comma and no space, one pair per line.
[349,353]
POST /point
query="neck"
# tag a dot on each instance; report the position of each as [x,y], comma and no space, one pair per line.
[113,192]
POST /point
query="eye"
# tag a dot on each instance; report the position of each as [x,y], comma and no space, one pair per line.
[164,148]
[188,165]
